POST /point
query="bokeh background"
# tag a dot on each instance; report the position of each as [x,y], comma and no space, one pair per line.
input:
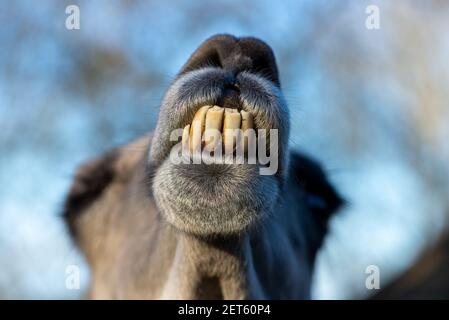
[371,105]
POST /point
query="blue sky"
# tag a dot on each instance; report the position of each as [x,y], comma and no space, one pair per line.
[66,96]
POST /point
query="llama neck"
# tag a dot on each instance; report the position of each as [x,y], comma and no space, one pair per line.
[210,269]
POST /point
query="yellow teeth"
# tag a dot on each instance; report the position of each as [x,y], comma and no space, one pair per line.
[186,139]
[232,121]
[247,120]
[214,118]
[247,123]
[197,129]
[215,124]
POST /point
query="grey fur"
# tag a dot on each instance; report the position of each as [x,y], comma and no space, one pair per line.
[151,229]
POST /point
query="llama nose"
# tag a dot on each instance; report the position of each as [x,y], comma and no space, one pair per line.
[230,97]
